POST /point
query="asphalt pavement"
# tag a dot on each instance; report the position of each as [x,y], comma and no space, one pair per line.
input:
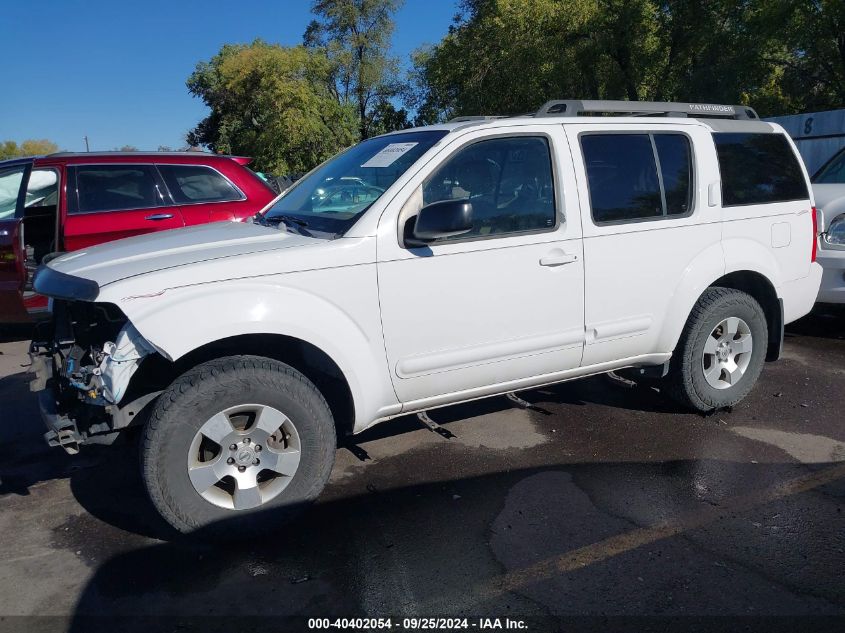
[603,506]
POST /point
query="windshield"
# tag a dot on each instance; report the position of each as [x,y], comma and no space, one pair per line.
[833,172]
[332,197]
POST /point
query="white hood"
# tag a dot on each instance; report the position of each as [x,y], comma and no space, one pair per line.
[133,256]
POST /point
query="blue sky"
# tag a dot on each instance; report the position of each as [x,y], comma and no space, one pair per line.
[116,70]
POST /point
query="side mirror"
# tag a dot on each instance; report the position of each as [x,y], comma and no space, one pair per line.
[441,219]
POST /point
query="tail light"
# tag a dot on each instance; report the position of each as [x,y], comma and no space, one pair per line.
[815,248]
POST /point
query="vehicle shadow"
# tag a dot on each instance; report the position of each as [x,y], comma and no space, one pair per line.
[13,332]
[25,459]
[596,390]
[825,321]
[498,544]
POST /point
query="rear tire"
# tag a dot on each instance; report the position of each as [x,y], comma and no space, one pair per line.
[237,444]
[721,351]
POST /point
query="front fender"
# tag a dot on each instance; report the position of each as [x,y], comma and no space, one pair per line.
[336,312]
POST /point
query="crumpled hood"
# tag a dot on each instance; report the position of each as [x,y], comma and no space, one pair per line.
[830,198]
[113,261]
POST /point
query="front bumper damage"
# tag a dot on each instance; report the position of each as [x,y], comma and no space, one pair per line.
[81,381]
[61,429]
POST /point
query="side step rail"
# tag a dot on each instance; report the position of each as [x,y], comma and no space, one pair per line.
[522,404]
[431,425]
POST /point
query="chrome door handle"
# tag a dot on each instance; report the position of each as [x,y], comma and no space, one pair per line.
[159,216]
[558,259]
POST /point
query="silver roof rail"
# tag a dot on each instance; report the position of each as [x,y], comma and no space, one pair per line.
[463,119]
[568,107]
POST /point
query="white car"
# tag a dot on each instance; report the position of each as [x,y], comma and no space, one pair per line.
[829,190]
[501,254]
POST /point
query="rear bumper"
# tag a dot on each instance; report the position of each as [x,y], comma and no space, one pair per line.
[799,295]
[833,280]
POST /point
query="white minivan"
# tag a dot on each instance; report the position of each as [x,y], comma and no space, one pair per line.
[428,267]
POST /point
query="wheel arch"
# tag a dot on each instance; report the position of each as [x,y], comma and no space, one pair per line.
[760,287]
[709,269]
[752,282]
[308,359]
[157,372]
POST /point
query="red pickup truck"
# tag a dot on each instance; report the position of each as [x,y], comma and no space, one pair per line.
[65,202]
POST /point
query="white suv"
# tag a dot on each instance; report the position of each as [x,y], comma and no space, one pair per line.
[428,267]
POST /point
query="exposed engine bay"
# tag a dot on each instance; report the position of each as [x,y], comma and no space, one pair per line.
[83,361]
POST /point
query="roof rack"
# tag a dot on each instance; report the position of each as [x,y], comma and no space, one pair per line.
[139,152]
[462,119]
[645,108]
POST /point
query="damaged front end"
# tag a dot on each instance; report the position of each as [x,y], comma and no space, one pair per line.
[83,362]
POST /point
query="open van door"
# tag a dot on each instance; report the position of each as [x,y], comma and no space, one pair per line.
[13,178]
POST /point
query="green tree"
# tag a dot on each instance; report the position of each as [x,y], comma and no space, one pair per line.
[813,59]
[29,147]
[9,149]
[354,36]
[721,51]
[272,103]
[509,56]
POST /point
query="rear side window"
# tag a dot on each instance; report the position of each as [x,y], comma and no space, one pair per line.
[758,169]
[197,183]
[114,188]
[638,176]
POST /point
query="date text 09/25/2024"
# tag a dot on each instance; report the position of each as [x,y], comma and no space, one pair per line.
[426,624]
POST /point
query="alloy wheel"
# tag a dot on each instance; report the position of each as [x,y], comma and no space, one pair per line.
[727,353]
[244,456]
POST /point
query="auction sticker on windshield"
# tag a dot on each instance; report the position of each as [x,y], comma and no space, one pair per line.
[389,155]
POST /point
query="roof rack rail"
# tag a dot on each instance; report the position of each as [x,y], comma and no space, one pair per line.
[568,107]
[463,119]
[117,152]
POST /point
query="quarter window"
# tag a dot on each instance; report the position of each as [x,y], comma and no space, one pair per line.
[114,188]
[196,183]
[508,181]
[637,176]
[758,168]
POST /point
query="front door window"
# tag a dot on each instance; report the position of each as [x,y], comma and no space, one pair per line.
[10,187]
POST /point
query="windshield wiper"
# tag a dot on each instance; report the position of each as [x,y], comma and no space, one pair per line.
[297,224]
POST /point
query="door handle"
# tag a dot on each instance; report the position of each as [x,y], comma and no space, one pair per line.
[557,259]
[159,216]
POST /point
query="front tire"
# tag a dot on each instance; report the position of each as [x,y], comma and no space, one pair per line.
[241,442]
[721,351]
